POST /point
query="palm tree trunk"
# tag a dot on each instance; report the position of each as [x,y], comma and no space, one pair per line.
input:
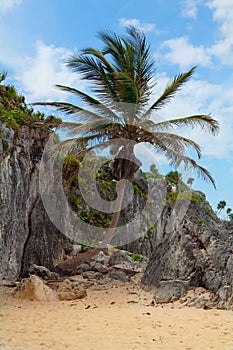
[115,218]
[124,169]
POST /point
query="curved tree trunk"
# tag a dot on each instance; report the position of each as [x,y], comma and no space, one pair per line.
[124,166]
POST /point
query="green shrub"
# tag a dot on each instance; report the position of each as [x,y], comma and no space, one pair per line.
[150,232]
[137,257]
[201,222]
[174,177]
[180,196]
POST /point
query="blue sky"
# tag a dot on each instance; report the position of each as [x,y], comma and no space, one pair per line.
[37,36]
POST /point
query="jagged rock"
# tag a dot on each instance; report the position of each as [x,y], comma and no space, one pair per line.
[200,298]
[91,275]
[76,249]
[68,290]
[120,256]
[43,272]
[40,271]
[33,288]
[98,267]
[129,268]
[168,291]
[54,275]
[196,253]
[82,268]
[101,258]
[118,275]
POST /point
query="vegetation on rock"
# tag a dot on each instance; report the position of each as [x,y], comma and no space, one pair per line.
[14,111]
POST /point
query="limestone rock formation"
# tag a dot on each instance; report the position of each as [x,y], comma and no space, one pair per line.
[26,234]
[198,252]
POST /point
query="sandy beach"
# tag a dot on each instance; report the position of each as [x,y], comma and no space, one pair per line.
[121,317]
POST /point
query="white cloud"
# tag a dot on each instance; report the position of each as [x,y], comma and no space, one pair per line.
[184,54]
[189,8]
[37,75]
[8,5]
[146,27]
[223,14]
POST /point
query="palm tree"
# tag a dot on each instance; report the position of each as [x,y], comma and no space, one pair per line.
[229,210]
[3,76]
[221,205]
[190,181]
[122,76]
[229,213]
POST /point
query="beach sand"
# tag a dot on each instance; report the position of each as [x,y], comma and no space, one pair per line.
[118,318]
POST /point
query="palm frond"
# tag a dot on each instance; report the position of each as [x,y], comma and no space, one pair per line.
[169,140]
[114,46]
[87,66]
[172,88]
[144,61]
[96,104]
[93,126]
[175,159]
[205,122]
[82,114]
[99,55]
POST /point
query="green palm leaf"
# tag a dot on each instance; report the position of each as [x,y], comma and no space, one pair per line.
[172,88]
[205,122]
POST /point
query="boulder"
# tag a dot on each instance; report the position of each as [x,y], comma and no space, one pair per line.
[168,291]
[42,272]
[118,275]
[92,275]
[98,267]
[130,269]
[101,258]
[33,288]
[68,290]
[81,268]
[119,257]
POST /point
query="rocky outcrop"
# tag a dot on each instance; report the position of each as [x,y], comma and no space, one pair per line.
[198,252]
[185,254]
[26,233]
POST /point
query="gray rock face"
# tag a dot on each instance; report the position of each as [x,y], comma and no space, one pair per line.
[119,257]
[197,253]
[26,234]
